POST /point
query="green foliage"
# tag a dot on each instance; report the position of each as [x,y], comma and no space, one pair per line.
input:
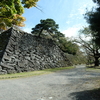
[29,3]
[11,12]
[58,35]
[93,18]
[68,46]
[96,1]
[79,58]
[49,25]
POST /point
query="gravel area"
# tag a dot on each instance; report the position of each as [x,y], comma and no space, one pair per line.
[70,84]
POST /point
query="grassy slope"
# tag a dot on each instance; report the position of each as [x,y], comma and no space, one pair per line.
[33,73]
[95,69]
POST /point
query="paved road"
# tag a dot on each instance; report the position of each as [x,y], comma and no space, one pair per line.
[62,85]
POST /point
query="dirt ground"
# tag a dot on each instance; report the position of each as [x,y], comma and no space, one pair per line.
[73,84]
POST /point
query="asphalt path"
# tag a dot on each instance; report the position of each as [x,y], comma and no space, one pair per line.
[70,84]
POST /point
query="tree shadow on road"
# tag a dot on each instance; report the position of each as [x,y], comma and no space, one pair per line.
[87,95]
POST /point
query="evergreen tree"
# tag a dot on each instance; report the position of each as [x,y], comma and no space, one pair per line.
[97,1]
[93,18]
[49,25]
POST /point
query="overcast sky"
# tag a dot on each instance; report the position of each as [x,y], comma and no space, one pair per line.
[67,13]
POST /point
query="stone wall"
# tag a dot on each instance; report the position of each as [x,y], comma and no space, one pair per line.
[25,52]
[4,38]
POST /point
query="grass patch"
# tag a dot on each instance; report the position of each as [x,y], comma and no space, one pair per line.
[33,73]
[89,65]
[96,69]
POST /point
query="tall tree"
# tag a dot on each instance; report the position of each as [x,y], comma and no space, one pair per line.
[90,47]
[93,18]
[49,25]
[11,12]
[97,1]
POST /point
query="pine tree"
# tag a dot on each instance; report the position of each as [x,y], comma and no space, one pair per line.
[48,25]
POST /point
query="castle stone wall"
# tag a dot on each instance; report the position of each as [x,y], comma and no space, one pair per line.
[25,52]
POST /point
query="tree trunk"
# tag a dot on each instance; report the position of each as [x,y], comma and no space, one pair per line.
[96,61]
[40,32]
